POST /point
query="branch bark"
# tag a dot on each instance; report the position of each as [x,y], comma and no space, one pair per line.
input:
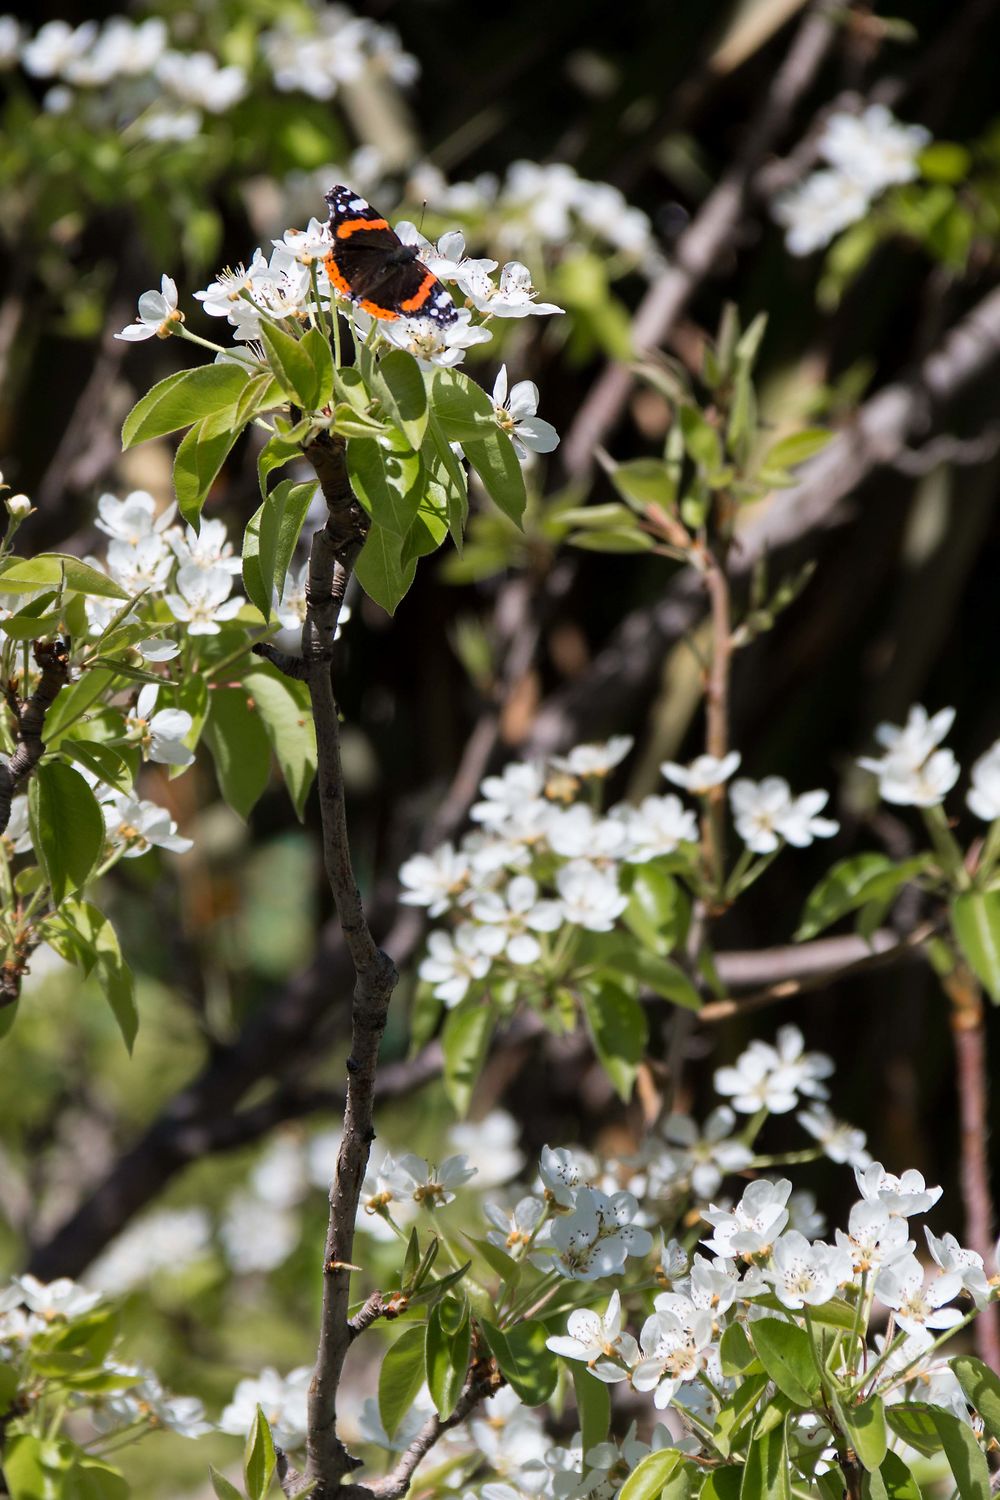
[334,550]
[53,660]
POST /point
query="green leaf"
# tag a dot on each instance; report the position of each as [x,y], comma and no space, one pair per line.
[465,414]
[892,1481]
[738,1410]
[276,452]
[612,539]
[965,1457]
[285,710]
[650,1474]
[67,826]
[660,975]
[593,1405]
[55,570]
[496,463]
[644,481]
[100,950]
[865,1427]
[796,448]
[399,385]
[530,1367]
[914,1423]
[975,921]
[944,161]
[260,543]
[240,749]
[261,393]
[316,345]
[982,1387]
[447,1346]
[786,1354]
[722,1484]
[387,480]
[197,462]
[221,1485]
[465,1038]
[400,1378]
[293,367]
[700,439]
[736,1352]
[508,1269]
[9,1382]
[258,1458]
[381,571]
[619,1031]
[441,463]
[294,507]
[843,888]
[657,911]
[182,399]
[102,761]
[766,1474]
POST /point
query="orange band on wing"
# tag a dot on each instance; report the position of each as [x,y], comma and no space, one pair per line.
[420,295]
[351,226]
[337,279]
[385,313]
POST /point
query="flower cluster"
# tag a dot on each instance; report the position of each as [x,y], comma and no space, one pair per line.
[866,154]
[915,770]
[542,859]
[127,73]
[37,1320]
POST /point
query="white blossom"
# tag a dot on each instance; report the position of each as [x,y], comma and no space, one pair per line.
[704,772]
[954,1259]
[161,735]
[598,1340]
[257,1236]
[157,313]
[412,1177]
[917,1301]
[840,1142]
[513,297]
[874,149]
[283,1400]
[755,1222]
[674,1342]
[804,1274]
[598,1236]
[912,772]
[562,1172]
[202,599]
[874,1237]
[196,78]
[983,796]
[490,1146]
[62,1298]
[429,343]
[904,1195]
[434,880]
[594,759]
[658,826]
[590,897]
[512,918]
[161,1242]
[453,962]
[140,825]
[705,1157]
[818,208]
[516,415]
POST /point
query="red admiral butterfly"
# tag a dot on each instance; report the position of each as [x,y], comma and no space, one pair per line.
[369,263]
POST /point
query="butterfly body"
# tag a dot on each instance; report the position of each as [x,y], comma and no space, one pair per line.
[368,262]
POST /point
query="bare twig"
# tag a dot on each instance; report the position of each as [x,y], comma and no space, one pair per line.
[949,449]
[787,989]
[971,1079]
[483,1380]
[705,240]
[53,660]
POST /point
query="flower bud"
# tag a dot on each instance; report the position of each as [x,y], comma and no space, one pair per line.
[18,506]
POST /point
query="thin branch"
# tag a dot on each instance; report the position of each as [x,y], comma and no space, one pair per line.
[483,1380]
[707,238]
[949,449]
[787,989]
[53,660]
[335,547]
[972,1088]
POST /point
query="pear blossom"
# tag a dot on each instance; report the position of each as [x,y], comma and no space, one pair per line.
[512,918]
[766,814]
[207,548]
[516,1227]
[196,78]
[772,1077]
[55,46]
[596,760]
[904,1195]
[516,416]
[446,258]
[411,1177]
[202,599]
[704,1157]
[283,1400]
[256,1236]
[804,1216]
[983,797]
[840,1142]
[590,897]
[513,297]
[800,824]
[805,1275]
[132,519]
[598,1236]
[954,1259]
[142,567]
[703,774]
[157,313]
[453,962]
[912,772]
[817,209]
[598,1340]
[434,880]
[62,1298]
[166,1240]
[563,1172]
[918,1301]
[506,794]
[874,1237]
[755,1222]
[674,1342]
[658,826]
[17,834]
[430,344]
[874,149]
[578,833]
[490,1145]
[161,735]
[140,826]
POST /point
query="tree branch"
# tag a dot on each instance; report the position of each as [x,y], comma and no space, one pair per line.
[335,547]
[53,660]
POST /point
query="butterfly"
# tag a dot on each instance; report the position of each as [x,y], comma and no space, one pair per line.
[369,263]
